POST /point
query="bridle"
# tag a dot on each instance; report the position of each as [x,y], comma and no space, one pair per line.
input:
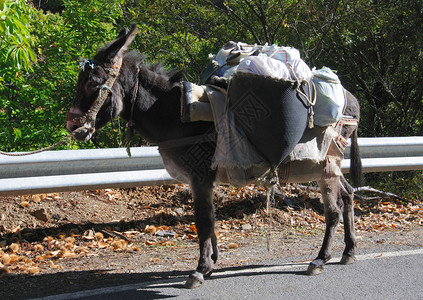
[88,119]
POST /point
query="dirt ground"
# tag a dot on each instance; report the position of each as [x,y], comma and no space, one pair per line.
[65,242]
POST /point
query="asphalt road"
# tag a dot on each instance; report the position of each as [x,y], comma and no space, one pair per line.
[382,273]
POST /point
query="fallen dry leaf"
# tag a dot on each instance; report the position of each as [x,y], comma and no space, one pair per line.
[36,198]
[5,259]
[168,243]
[25,204]
[192,228]
[13,248]
[192,236]
[99,236]
[151,229]
[33,270]
[155,259]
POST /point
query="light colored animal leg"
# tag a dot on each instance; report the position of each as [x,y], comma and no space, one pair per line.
[330,189]
[347,193]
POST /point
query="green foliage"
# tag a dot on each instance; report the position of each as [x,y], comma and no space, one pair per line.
[406,184]
[260,21]
[179,34]
[33,105]
[15,47]
[376,48]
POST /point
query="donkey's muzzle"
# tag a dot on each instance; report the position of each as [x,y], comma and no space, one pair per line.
[74,121]
[74,118]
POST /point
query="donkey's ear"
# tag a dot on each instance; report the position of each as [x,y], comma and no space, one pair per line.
[116,49]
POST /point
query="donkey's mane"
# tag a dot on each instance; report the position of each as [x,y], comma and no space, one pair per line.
[154,79]
[157,70]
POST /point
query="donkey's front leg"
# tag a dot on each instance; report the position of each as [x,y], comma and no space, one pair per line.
[330,190]
[204,222]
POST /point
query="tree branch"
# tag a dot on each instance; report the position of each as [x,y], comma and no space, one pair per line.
[363,189]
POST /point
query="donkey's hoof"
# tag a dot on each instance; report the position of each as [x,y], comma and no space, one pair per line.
[314,270]
[208,274]
[347,260]
[194,280]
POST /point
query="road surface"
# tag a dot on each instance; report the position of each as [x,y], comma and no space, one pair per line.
[381,273]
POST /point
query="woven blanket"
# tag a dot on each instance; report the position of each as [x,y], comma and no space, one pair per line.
[233,150]
[316,156]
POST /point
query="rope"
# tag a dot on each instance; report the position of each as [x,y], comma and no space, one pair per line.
[89,117]
[91,114]
[270,180]
[70,135]
[130,123]
[268,217]
[312,102]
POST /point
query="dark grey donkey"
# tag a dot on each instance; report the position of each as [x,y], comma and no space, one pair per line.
[149,99]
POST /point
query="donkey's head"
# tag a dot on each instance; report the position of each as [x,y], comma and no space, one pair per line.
[98,99]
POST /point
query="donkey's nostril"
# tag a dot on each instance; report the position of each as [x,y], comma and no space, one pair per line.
[74,127]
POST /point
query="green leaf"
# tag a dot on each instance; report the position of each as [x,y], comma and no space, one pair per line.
[17,132]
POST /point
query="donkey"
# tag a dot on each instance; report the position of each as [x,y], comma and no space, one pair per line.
[148,97]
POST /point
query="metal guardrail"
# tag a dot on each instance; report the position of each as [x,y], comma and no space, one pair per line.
[379,147]
[69,170]
[68,162]
[388,154]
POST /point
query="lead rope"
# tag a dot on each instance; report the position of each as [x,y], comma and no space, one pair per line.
[70,135]
[88,117]
[130,124]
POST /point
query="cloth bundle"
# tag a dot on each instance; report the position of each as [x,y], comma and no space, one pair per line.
[330,101]
[278,62]
[283,63]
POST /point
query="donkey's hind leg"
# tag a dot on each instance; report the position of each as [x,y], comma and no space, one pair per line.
[330,190]
[204,222]
[347,193]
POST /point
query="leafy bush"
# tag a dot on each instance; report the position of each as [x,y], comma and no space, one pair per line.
[15,50]
[35,97]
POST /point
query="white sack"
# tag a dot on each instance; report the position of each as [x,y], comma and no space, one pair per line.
[284,54]
[330,97]
[220,58]
[264,65]
[301,69]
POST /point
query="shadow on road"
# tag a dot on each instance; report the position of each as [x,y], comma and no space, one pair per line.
[24,286]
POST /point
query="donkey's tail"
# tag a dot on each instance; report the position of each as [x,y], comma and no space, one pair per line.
[356,169]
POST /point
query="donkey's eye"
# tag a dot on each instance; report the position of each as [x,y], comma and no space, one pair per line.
[91,86]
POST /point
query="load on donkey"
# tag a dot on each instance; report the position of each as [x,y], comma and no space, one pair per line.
[260,130]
